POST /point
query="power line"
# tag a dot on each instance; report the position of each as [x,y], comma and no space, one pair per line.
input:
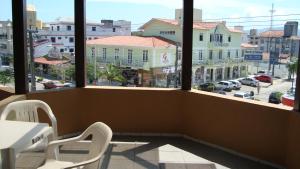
[249,17]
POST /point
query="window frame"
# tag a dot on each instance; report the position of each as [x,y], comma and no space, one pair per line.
[145,55]
[20,48]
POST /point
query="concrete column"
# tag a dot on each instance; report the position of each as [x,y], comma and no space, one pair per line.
[223,73]
[231,72]
[204,75]
[214,75]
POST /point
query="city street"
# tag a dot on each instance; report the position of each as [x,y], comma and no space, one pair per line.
[280,85]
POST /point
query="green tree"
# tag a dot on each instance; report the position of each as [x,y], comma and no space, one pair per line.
[113,73]
[292,68]
[70,72]
[5,77]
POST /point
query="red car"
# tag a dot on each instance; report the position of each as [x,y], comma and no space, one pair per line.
[264,78]
[52,84]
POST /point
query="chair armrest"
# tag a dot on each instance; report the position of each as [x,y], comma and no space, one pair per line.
[54,145]
[84,163]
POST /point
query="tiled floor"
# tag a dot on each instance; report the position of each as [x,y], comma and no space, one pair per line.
[150,153]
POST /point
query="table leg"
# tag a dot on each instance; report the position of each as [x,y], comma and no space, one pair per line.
[8,158]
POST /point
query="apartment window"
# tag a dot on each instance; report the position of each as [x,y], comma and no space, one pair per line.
[94,28]
[229,38]
[228,54]
[104,53]
[216,38]
[53,39]
[69,27]
[58,28]
[71,39]
[200,55]
[145,55]
[117,54]
[129,56]
[59,38]
[237,53]
[61,50]
[167,32]
[220,54]
[114,29]
[201,37]
[71,50]
[210,54]
[52,28]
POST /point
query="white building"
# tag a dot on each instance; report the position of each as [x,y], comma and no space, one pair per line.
[61,32]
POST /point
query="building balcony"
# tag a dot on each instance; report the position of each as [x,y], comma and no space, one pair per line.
[221,133]
[218,62]
[135,64]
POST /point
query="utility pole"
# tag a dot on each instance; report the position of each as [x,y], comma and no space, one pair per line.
[32,71]
[176,67]
[272,11]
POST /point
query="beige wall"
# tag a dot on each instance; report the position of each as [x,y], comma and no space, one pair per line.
[264,132]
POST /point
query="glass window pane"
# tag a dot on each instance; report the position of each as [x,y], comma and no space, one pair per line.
[130,45]
[51,44]
[244,48]
[6,48]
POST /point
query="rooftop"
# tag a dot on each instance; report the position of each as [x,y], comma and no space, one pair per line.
[197,25]
[132,41]
[273,33]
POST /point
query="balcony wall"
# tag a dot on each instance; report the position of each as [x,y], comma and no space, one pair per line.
[265,132]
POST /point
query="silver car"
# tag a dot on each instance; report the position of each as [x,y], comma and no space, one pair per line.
[244,95]
[225,85]
[249,81]
[236,84]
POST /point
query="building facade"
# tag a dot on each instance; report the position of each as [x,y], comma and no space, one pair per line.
[217,51]
[144,61]
[61,32]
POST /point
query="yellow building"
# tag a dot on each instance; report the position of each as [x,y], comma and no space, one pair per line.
[31,17]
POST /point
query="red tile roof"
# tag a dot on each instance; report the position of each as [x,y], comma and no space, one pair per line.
[131,41]
[197,25]
[45,61]
[273,33]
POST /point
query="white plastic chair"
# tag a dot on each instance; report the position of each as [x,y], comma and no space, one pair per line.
[101,136]
[27,110]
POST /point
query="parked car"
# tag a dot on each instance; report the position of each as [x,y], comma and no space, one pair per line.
[261,72]
[249,81]
[244,95]
[220,92]
[225,85]
[209,87]
[275,97]
[53,84]
[69,85]
[288,98]
[236,84]
[264,78]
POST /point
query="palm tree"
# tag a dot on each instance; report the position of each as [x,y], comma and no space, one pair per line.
[112,73]
[292,68]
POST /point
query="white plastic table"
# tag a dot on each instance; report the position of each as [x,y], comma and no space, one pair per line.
[15,136]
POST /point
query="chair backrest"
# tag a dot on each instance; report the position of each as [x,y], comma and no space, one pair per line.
[101,136]
[26,110]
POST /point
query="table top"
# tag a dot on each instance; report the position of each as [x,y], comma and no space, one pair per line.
[18,134]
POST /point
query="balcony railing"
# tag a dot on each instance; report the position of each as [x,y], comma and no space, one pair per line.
[137,64]
[218,61]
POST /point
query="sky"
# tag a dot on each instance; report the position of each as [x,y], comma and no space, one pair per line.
[141,11]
